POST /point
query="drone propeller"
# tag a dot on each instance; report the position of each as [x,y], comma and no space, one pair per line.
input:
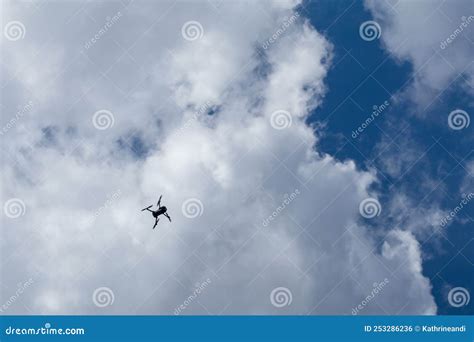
[159,201]
[147,207]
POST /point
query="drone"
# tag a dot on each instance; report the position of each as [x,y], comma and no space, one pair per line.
[156,213]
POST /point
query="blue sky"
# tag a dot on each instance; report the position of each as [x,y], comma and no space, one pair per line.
[365,74]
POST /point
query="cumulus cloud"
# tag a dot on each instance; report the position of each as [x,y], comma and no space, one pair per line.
[192,119]
[435,36]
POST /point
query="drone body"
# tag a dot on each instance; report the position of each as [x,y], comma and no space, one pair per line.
[162,210]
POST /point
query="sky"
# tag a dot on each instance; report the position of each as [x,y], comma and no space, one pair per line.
[308,154]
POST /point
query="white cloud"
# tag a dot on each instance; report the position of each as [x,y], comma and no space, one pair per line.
[417,31]
[234,161]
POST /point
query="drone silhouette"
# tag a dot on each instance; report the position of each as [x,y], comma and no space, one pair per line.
[156,213]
